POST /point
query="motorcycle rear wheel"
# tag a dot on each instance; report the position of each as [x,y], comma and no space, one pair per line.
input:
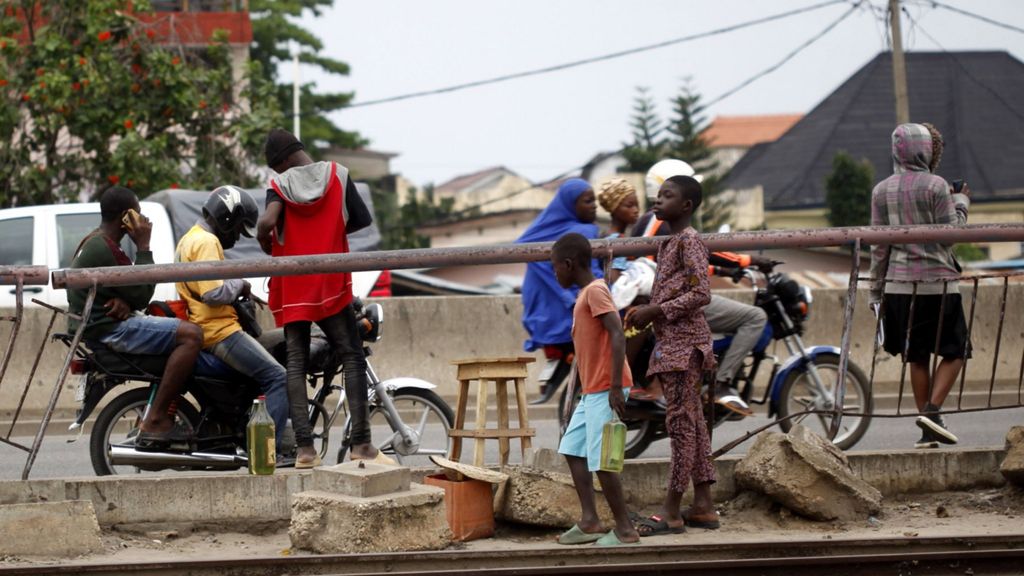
[798,395]
[422,410]
[121,418]
[639,433]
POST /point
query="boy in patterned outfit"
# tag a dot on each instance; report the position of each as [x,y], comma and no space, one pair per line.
[681,357]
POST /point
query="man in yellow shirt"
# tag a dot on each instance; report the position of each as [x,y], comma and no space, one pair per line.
[228,213]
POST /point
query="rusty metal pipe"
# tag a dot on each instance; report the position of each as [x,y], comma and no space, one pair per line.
[512,253]
[30,275]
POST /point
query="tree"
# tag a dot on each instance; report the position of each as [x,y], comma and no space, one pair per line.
[272,34]
[848,191]
[92,98]
[647,146]
[687,142]
[398,224]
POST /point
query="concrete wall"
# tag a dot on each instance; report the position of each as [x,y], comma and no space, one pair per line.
[423,335]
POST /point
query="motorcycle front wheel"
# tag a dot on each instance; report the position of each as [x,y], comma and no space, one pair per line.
[799,394]
[118,423]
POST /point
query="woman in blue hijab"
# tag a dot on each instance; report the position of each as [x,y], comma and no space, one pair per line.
[547,307]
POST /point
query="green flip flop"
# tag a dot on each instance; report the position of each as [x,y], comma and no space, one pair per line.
[612,539]
[575,535]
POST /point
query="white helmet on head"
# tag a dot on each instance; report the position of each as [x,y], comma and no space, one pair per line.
[664,170]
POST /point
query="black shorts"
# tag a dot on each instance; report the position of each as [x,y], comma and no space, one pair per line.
[954,342]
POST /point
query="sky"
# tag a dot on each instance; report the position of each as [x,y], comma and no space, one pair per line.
[545,125]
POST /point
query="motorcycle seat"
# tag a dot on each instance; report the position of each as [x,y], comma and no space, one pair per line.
[148,366]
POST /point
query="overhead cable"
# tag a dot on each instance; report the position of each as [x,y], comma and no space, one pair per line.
[594,59]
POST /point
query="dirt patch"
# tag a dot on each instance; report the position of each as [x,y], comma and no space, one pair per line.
[747,518]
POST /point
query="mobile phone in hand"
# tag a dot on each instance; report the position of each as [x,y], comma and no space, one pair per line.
[958,186]
[129,219]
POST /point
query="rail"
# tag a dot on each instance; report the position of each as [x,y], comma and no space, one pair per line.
[853,237]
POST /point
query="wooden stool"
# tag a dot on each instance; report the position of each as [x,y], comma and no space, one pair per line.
[499,371]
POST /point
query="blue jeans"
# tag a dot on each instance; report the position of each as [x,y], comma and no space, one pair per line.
[244,354]
[143,335]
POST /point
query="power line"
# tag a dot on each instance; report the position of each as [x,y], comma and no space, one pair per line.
[966,70]
[792,54]
[986,19]
[594,59]
[856,5]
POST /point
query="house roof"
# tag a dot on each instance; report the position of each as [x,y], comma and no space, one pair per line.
[466,181]
[975,98]
[746,131]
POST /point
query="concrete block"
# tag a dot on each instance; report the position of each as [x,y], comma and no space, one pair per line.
[65,528]
[1013,465]
[234,499]
[923,471]
[24,492]
[361,479]
[542,498]
[807,474]
[546,459]
[327,523]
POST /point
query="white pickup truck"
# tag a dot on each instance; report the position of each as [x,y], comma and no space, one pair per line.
[48,235]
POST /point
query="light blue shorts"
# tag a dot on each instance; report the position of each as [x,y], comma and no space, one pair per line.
[143,335]
[582,437]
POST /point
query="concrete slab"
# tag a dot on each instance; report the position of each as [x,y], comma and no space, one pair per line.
[361,479]
[208,498]
[325,522]
[65,529]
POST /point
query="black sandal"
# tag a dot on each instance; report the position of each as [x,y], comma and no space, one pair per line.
[177,438]
[655,526]
[703,524]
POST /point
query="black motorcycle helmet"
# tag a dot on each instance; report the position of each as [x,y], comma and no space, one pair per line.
[231,211]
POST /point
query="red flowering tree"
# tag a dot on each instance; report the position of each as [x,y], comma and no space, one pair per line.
[89,98]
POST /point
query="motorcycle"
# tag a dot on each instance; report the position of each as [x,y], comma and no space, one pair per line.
[805,381]
[222,400]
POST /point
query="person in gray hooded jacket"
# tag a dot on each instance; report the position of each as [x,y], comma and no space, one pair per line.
[311,208]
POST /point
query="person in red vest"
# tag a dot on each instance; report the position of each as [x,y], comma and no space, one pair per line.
[311,209]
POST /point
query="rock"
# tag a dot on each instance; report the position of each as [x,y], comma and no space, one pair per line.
[543,498]
[1012,467]
[328,523]
[807,474]
[545,459]
[64,528]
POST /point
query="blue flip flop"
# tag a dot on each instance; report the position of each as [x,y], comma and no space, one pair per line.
[612,539]
[575,535]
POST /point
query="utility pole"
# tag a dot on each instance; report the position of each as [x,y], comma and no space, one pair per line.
[899,66]
[296,80]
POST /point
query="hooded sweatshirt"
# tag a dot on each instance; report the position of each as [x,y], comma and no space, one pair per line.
[913,195]
[314,223]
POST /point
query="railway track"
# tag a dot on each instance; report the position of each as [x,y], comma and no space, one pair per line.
[840,557]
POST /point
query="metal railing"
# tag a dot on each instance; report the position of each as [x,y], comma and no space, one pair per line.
[853,237]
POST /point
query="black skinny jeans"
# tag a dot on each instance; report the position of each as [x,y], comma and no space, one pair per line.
[343,335]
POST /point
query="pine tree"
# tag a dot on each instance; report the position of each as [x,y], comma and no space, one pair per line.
[848,191]
[647,145]
[687,143]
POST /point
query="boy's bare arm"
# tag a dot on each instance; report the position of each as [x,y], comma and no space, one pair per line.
[265,225]
[613,325]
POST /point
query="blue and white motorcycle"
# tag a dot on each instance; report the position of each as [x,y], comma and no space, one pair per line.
[805,381]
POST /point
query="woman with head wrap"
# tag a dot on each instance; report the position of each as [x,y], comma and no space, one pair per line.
[920,282]
[618,198]
[547,307]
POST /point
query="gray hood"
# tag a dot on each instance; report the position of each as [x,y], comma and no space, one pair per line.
[307,184]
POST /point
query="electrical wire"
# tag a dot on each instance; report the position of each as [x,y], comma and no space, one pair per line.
[595,59]
[986,19]
[967,71]
[792,54]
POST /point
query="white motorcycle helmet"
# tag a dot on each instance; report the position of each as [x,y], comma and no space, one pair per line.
[664,170]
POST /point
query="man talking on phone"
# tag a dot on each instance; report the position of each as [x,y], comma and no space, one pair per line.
[114,320]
